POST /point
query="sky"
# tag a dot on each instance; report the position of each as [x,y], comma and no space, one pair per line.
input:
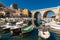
[32,4]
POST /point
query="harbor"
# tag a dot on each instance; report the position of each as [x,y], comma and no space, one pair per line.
[32,35]
[23,24]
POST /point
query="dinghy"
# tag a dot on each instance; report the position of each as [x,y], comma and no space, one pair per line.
[44,34]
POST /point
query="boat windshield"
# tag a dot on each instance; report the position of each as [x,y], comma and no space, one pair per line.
[12,24]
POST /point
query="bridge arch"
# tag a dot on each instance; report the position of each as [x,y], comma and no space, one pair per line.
[37,16]
[49,14]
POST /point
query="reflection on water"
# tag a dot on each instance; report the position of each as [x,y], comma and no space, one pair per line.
[5,36]
[54,36]
[30,36]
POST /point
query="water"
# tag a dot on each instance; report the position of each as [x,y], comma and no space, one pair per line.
[30,36]
[54,36]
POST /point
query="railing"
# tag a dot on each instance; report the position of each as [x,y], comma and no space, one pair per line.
[48,19]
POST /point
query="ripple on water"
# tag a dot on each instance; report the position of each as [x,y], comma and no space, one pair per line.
[30,36]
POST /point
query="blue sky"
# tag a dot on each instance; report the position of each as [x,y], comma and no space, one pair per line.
[32,4]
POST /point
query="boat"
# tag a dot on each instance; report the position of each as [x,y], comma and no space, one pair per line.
[54,26]
[24,28]
[27,29]
[44,33]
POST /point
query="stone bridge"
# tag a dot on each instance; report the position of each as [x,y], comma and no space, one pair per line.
[44,12]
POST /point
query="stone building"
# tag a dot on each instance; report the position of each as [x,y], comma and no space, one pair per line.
[12,11]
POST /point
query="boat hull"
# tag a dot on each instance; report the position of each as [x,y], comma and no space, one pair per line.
[27,29]
[54,27]
[55,30]
[44,36]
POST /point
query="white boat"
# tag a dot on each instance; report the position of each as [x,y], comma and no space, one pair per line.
[24,27]
[54,26]
[44,34]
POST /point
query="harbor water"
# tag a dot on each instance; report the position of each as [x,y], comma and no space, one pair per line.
[30,36]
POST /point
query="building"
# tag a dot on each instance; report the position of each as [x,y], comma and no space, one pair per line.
[12,11]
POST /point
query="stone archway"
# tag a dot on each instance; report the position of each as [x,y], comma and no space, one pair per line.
[49,14]
[37,16]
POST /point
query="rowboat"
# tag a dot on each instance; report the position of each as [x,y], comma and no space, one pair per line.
[44,34]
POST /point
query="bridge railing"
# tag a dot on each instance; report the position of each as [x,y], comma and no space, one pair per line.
[48,19]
